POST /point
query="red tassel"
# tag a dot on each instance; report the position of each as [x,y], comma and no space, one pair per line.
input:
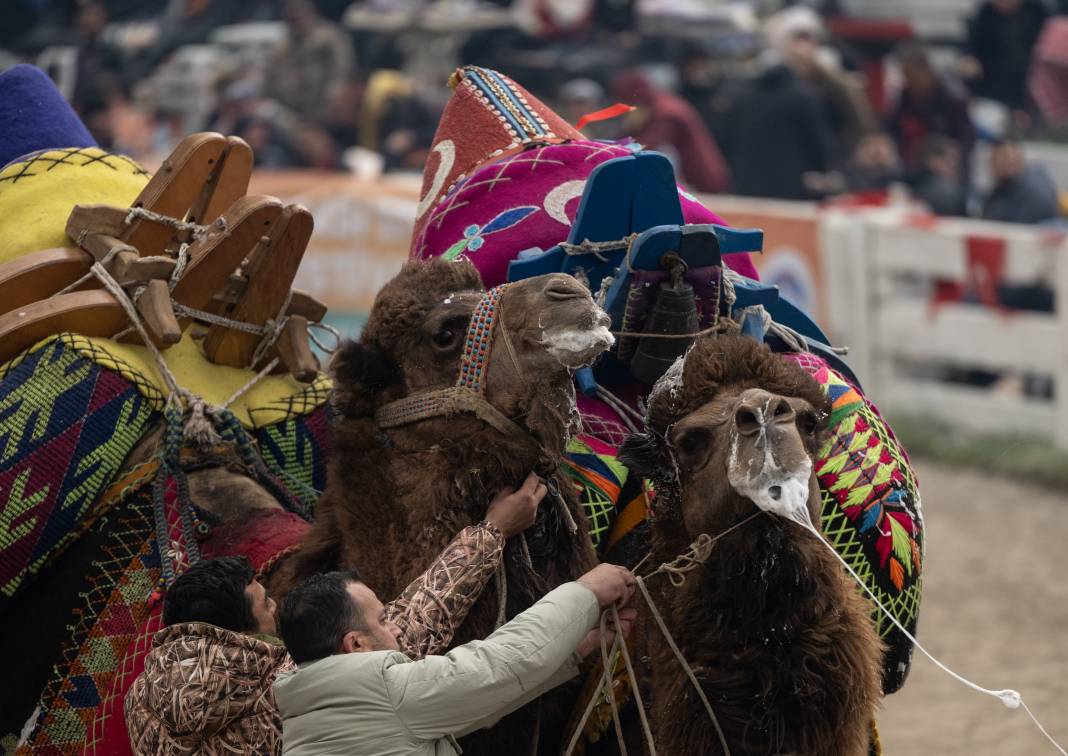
[604,114]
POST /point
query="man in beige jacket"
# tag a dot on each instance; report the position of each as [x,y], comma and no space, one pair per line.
[354,692]
[206,685]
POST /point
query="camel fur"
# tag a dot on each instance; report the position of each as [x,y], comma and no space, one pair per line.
[776,631]
[396,497]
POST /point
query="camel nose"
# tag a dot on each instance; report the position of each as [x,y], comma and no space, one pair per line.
[562,288]
[758,410]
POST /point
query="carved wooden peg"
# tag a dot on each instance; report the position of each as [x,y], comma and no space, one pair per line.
[293,349]
[154,304]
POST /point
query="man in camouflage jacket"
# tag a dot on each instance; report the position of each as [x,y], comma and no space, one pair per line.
[206,686]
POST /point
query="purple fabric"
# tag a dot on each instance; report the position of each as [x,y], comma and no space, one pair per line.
[34,116]
[528,200]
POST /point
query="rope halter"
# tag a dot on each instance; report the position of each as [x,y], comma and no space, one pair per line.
[469,393]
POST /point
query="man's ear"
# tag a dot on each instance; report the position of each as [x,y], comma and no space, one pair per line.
[350,643]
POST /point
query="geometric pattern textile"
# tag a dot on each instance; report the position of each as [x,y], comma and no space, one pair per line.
[599,478]
[296,451]
[272,398]
[112,615]
[871,511]
[66,425]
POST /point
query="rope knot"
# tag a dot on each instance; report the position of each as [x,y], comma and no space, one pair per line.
[199,429]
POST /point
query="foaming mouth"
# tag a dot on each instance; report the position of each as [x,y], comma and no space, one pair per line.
[575,348]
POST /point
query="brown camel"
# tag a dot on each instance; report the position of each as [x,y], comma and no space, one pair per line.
[395,496]
[775,630]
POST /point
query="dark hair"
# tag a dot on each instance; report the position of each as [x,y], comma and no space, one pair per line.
[213,591]
[316,613]
[937,145]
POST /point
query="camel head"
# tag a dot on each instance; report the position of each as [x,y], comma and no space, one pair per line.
[545,328]
[730,425]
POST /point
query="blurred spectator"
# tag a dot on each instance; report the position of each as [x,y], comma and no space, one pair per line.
[795,34]
[779,137]
[395,121]
[343,113]
[927,105]
[1001,36]
[939,182]
[668,123]
[875,164]
[99,65]
[186,22]
[269,147]
[1023,192]
[314,148]
[317,59]
[581,96]
[704,83]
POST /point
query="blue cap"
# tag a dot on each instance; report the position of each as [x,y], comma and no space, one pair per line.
[35,117]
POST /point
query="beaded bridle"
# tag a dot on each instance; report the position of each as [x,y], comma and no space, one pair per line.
[469,393]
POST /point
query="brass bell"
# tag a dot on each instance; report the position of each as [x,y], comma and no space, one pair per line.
[674,312]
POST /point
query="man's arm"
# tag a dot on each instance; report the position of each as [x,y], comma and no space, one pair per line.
[481,681]
[437,602]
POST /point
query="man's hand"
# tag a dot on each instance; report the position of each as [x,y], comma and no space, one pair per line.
[512,512]
[592,641]
[610,583]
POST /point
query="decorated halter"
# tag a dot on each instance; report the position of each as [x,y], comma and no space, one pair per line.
[469,393]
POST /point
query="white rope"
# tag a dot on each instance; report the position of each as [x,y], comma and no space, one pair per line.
[166,220]
[252,382]
[272,329]
[1010,698]
[329,329]
[587,247]
[219,320]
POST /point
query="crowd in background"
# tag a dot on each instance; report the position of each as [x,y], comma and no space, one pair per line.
[769,102]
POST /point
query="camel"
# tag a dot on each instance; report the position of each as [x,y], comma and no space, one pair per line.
[396,495]
[776,632]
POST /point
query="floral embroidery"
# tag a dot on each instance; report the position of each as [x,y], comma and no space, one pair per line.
[474,235]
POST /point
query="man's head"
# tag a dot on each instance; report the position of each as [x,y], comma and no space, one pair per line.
[223,592]
[876,151]
[1006,160]
[921,79]
[334,613]
[941,155]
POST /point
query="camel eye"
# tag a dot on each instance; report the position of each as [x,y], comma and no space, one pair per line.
[807,423]
[691,442]
[445,338]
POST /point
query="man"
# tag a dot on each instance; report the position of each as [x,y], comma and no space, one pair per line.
[206,686]
[354,693]
[1001,38]
[668,123]
[318,58]
[939,182]
[1023,192]
[928,105]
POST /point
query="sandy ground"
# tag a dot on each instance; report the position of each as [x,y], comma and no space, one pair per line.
[995,609]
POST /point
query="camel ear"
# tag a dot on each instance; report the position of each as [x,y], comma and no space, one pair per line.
[641,455]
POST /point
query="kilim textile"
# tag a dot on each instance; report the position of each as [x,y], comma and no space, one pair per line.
[599,478]
[296,450]
[871,510]
[66,425]
[274,398]
[111,618]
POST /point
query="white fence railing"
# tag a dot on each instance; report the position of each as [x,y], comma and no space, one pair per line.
[917,306]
